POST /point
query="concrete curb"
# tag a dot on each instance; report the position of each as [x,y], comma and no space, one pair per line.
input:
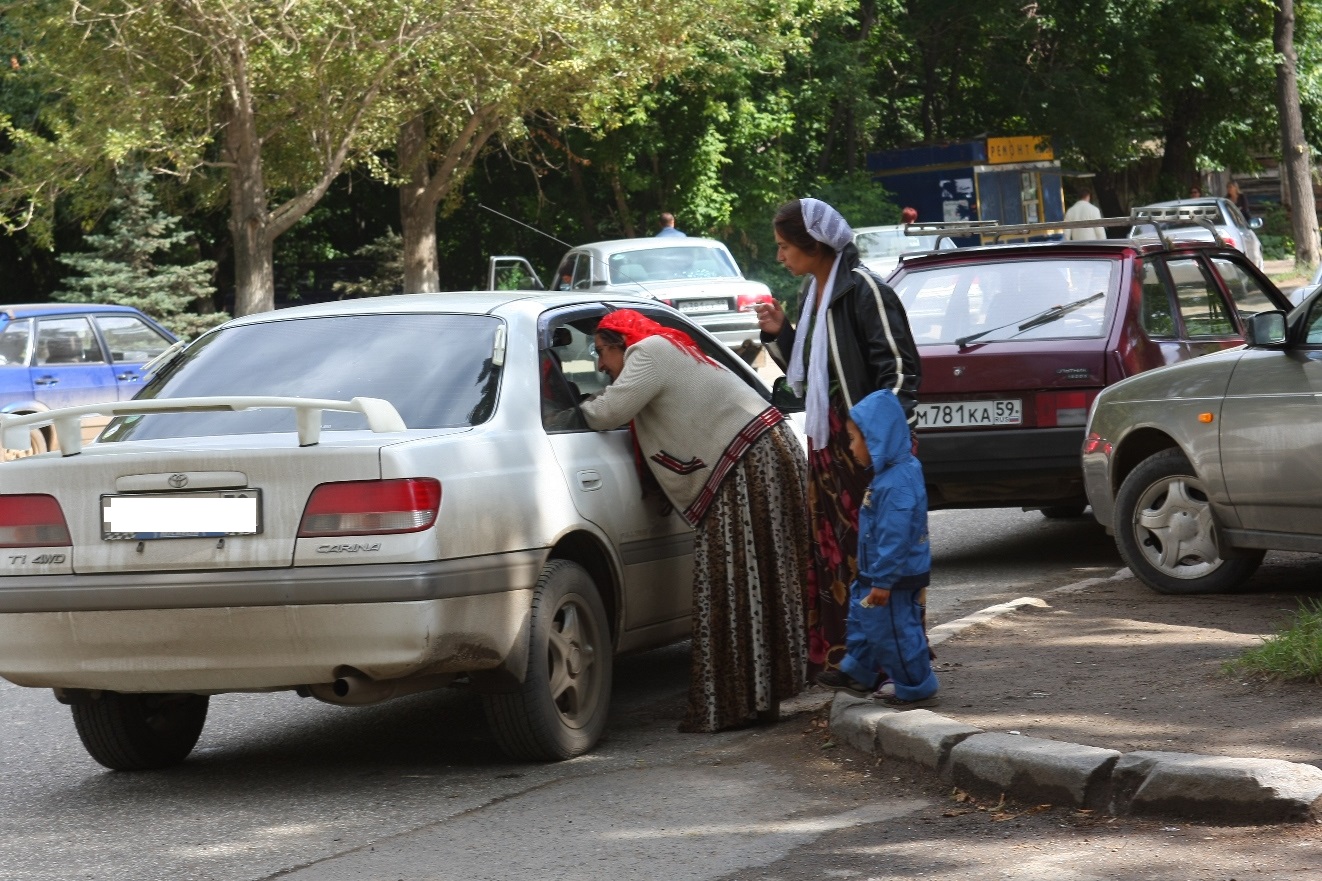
[1039,771]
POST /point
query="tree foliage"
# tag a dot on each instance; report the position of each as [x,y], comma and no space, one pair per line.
[137,262]
[586,118]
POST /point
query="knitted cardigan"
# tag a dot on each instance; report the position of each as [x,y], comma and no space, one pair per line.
[693,420]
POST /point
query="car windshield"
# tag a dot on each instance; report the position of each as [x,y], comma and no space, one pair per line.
[1010,300]
[882,243]
[668,264]
[435,369]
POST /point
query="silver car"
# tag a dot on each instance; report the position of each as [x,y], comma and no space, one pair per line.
[1201,467]
[880,247]
[353,501]
[699,277]
[1230,223]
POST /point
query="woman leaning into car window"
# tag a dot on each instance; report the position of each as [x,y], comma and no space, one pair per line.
[735,472]
[852,339]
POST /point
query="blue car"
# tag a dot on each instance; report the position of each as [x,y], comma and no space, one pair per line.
[66,354]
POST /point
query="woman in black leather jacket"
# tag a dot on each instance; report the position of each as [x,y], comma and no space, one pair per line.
[842,350]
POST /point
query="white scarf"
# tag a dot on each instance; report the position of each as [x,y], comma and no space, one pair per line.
[813,321]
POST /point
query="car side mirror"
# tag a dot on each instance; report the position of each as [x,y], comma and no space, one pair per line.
[783,397]
[1255,223]
[1265,329]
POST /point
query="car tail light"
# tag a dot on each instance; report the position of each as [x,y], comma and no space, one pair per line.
[371,507]
[1064,408]
[746,302]
[32,521]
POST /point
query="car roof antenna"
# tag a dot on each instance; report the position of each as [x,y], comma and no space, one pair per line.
[521,223]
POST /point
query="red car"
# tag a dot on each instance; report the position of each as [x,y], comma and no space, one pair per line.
[1017,340]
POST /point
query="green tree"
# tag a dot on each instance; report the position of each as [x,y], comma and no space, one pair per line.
[128,264]
[265,103]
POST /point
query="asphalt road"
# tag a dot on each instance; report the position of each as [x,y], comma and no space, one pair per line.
[281,787]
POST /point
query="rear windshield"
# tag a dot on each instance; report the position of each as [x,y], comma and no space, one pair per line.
[1010,300]
[435,369]
[667,264]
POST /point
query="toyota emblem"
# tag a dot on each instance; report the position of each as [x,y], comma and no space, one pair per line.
[178,481]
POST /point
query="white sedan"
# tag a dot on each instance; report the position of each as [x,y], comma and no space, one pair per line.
[353,501]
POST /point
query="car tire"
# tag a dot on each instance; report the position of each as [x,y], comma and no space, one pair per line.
[1063,512]
[1167,533]
[560,709]
[140,732]
[37,444]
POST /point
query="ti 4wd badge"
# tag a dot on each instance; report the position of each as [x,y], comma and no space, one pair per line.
[39,560]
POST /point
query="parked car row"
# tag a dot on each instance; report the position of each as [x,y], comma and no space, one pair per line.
[304,500]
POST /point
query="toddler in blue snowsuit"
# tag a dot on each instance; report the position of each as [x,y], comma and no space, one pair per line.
[884,630]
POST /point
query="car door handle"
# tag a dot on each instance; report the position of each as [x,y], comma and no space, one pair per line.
[589,480]
[46,380]
[126,377]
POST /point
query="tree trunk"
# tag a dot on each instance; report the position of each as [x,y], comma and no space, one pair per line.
[1296,163]
[417,213]
[250,220]
[622,203]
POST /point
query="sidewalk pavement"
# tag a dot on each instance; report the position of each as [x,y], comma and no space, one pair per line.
[1144,782]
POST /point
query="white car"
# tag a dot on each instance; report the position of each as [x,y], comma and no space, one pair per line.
[880,247]
[697,276]
[353,501]
[1230,224]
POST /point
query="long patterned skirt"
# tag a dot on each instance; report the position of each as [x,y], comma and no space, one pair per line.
[750,562]
[836,484]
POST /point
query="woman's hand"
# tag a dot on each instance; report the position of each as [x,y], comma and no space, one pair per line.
[770,317]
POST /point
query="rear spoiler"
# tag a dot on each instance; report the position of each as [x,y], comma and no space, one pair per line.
[1157,218]
[15,430]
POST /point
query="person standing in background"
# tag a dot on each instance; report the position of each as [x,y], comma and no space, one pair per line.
[1241,201]
[668,226]
[1084,209]
[909,215]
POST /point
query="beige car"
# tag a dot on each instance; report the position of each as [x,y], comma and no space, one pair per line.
[1201,467]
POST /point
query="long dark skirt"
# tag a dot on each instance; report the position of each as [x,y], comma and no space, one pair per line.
[750,562]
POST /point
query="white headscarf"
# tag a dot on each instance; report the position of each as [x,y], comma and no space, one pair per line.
[826,225]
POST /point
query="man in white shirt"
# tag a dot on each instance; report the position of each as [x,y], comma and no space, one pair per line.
[1084,209]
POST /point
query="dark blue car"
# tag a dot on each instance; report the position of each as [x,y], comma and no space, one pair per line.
[66,354]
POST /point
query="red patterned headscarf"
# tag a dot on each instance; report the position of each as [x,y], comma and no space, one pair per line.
[634,326]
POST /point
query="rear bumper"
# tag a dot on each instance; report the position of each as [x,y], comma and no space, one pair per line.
[401,621]
[733,329]
[1031,467]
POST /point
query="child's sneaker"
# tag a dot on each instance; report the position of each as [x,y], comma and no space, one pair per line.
[894,703]
[887,689]
[839,681]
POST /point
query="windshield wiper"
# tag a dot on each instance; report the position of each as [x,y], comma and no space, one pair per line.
[1046,316]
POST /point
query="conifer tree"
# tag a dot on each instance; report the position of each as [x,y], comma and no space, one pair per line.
[130,264]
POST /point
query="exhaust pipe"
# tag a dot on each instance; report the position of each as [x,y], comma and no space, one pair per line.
[355,689]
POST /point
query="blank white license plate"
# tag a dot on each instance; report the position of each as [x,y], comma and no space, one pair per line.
[181,515]
[970,414]
[702,305]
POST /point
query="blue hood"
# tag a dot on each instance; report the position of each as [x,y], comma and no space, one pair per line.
[881,419]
